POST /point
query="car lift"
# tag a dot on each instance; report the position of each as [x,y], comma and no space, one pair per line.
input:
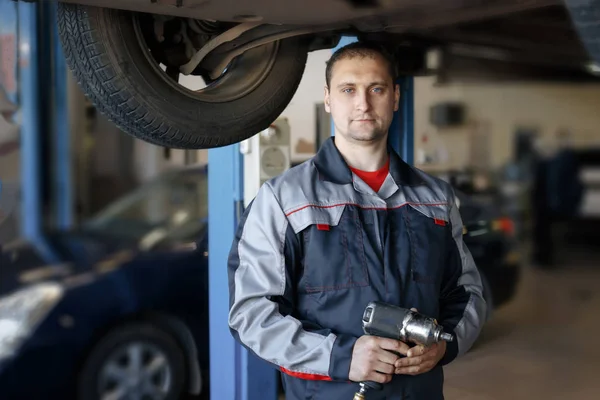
[235,373]
[34,75]
[41,96]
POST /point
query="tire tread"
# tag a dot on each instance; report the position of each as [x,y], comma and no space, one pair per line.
[93,64]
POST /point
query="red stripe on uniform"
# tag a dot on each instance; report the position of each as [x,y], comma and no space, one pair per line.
[363,207]
[301,375]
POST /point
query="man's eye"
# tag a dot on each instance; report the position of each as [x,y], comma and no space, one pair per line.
[347,90]
[378,90]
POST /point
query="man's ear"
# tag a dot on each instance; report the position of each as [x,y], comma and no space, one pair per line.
[327,100]
[396,97]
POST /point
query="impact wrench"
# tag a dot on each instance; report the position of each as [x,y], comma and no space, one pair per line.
[392,322]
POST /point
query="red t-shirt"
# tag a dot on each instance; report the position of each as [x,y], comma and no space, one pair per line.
[374,178]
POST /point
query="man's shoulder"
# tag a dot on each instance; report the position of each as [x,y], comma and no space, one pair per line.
[435,186]
[296,175]
[295,184]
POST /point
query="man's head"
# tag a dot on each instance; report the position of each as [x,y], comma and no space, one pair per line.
[360,92]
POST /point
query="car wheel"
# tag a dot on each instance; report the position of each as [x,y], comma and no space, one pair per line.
[131,73]
[135,361]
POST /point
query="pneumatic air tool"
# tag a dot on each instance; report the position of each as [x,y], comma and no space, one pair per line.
[392,322]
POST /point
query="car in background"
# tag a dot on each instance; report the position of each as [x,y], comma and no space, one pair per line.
[137,59]
[490,231]
[490,236]
[120,306]
[117,307]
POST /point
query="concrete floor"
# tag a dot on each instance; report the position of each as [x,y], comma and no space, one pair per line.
[543,345]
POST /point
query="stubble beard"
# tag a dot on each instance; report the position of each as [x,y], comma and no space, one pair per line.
[374,135]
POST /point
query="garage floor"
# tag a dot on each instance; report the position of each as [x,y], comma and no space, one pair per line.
[544,345]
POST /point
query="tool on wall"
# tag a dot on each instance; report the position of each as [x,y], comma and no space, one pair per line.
[266,155]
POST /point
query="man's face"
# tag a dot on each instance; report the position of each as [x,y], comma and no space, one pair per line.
[362,98]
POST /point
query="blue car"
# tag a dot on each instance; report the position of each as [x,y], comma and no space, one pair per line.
[118,309]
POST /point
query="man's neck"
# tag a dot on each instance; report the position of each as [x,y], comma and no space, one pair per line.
[365,156]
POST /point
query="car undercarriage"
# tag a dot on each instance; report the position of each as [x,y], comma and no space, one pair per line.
[250,55]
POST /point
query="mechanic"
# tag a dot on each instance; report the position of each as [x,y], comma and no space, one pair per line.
[351,225]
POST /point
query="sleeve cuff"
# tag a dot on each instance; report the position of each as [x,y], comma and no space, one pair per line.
[451,351]
[341,357]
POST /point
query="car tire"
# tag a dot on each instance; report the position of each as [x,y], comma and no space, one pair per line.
[102,48]
[121,339]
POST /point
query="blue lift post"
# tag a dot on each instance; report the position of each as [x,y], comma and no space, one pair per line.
[41,97]
[224,194]
[234,373]
[402,131]
[29,108]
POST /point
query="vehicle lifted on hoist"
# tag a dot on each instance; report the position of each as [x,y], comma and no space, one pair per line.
[133,57]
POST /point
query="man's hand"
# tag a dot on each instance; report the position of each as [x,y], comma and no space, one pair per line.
[373,360]
[420,359]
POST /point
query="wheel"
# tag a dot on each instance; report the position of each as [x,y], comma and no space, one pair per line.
[136,361]
[133,77]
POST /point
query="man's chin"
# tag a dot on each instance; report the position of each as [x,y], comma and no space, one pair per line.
[367,136]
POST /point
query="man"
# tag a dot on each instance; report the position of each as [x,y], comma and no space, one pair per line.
[352,225]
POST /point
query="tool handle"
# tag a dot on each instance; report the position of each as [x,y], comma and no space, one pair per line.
[373,385]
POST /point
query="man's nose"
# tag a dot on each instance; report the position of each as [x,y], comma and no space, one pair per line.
[362,101]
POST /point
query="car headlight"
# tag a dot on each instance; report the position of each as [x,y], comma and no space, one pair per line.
[22,311]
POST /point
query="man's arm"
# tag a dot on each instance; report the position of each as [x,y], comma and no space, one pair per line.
[462,307]
[261,270]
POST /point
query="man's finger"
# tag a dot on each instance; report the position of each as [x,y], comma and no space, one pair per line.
[379,377]
[384,368]
[418,351]
[414,369]
[408,361]
[393,345]
[387,357]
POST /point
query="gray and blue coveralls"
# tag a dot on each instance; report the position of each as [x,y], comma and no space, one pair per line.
[317,244]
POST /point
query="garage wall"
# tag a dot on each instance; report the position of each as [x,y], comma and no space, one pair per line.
[301,110]
[498,110]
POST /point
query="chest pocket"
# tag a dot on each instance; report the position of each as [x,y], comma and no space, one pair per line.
[334,255]
[428,238]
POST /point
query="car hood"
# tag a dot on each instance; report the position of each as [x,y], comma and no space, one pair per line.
[74,256]
[61,256]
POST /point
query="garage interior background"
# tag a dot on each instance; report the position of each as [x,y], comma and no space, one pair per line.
[105,164]
[493,115]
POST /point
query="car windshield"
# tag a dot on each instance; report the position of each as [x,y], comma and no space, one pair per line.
[175,205]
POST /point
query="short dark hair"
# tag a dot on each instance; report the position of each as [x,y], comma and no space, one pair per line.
[360,49]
